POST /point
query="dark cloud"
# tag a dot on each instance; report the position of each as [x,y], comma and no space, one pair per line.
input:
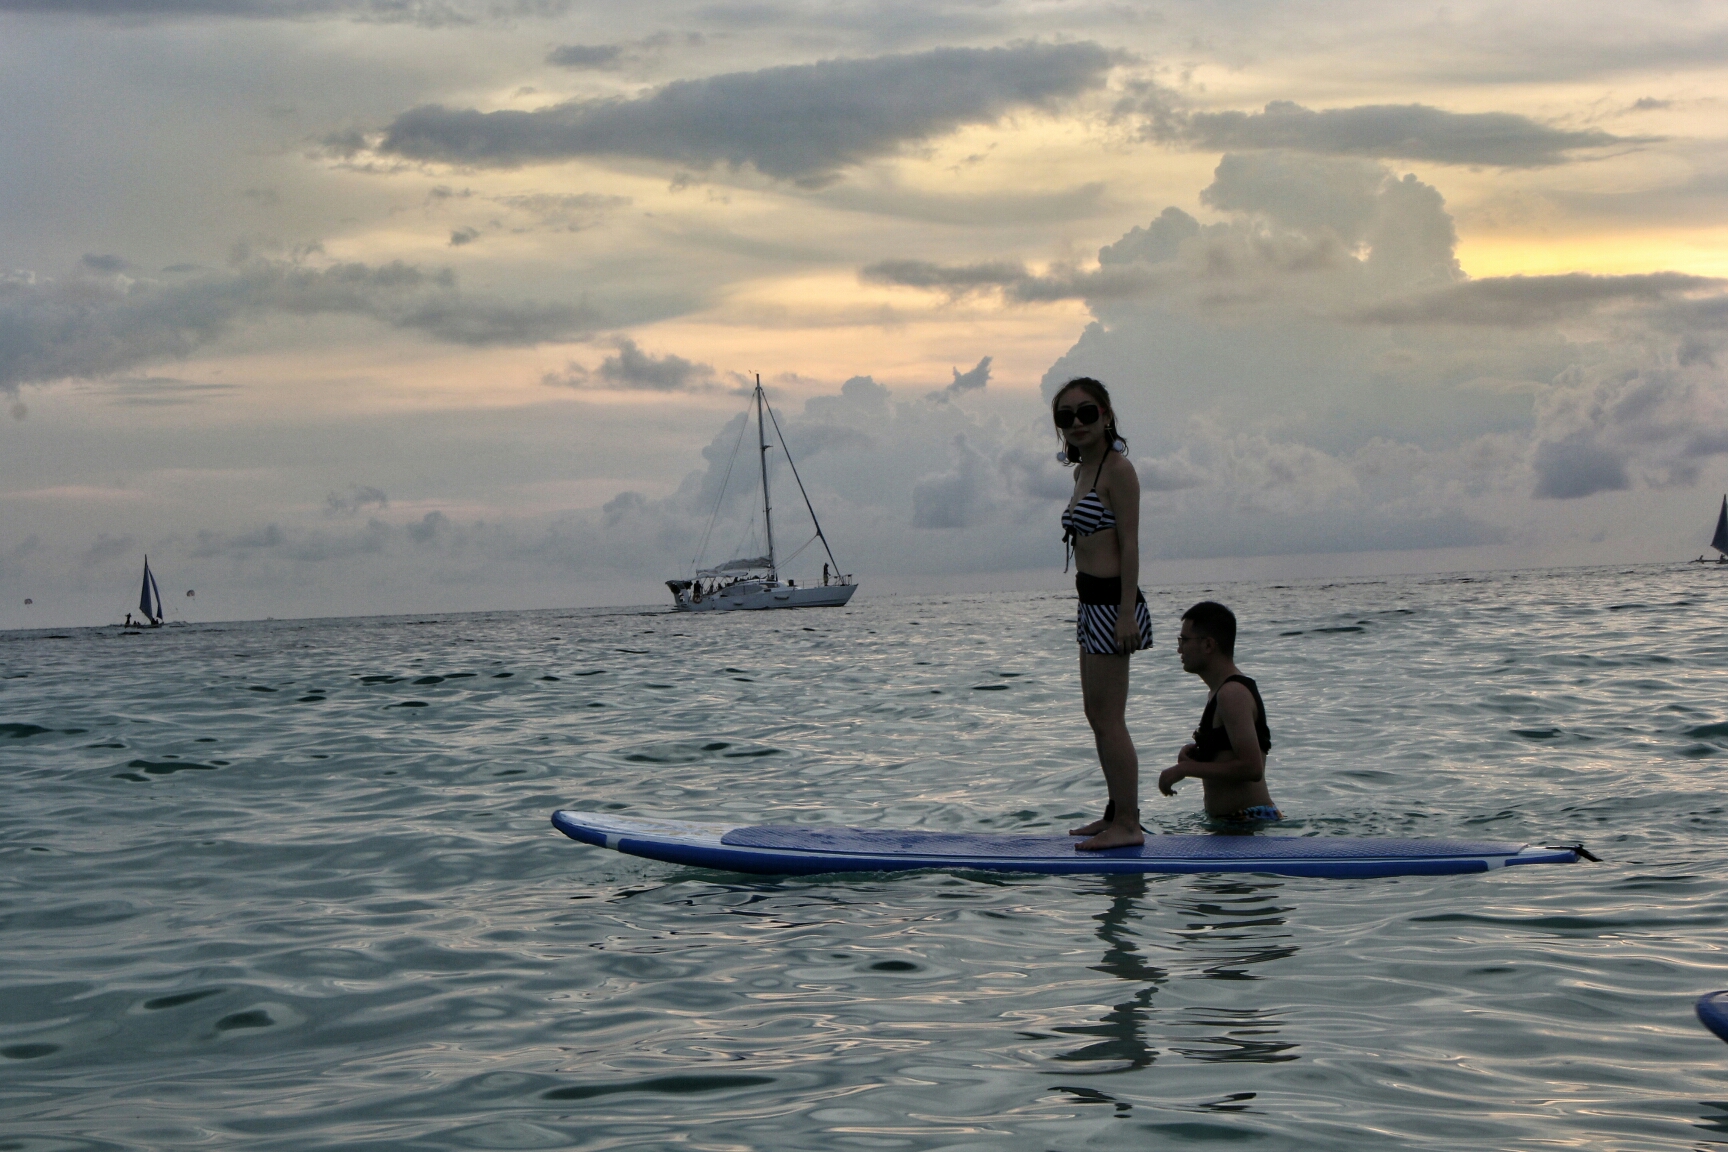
[799,122]
[106,548]
[352,501]
[634,368]
[568,211]
[159,391]
[88,325]
[999,208]
[585,55]
[108,264]
[1655,425]
[1013,279]
[1528,301]
[956,278]
[426,13]
[313,545]
[962,497]
[1155,243]
[1378,131]
[463,235]
[1577,466]
[974,378]
[429,527]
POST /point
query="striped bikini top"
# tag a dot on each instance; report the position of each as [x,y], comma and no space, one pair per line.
[1086,517]
[1088,514]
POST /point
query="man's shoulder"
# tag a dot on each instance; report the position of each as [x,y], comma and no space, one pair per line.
[1234,691]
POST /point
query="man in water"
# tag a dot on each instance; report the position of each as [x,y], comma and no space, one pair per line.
[1228,754]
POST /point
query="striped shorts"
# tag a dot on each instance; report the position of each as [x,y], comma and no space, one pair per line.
[1100,603]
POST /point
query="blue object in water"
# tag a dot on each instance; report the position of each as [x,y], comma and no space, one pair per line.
[789,850]
[1713,1012]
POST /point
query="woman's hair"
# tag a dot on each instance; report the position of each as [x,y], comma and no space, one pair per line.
[1099,393]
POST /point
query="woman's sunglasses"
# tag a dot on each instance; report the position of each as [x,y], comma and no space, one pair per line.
[1085,414]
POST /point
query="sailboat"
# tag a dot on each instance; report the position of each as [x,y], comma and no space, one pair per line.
[753,582]
[1720,540]
[150,599]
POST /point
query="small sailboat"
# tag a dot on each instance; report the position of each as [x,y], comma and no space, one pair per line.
[753,582]
[1720,540]
[150,599]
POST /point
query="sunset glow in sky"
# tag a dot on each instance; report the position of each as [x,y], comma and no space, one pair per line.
[361,306]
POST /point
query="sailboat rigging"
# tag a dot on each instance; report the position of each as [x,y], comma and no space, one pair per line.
[753,582]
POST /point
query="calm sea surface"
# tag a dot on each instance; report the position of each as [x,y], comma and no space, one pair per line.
[292,884]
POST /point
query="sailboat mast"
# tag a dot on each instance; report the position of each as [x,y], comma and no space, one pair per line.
[767,511]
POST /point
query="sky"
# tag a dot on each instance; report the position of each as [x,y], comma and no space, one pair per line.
[338,307]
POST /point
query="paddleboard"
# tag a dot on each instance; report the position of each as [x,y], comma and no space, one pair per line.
[1713,1012]
[788,850]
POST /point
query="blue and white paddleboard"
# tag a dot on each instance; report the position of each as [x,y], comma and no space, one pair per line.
[1713,1012]
[786,850]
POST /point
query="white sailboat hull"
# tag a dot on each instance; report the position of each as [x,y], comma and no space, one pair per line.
[755,596]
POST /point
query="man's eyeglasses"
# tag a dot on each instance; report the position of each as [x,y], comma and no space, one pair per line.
[1085,414]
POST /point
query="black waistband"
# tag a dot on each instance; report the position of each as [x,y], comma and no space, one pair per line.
[1102,589]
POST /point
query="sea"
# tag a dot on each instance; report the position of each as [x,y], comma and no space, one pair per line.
[293,885]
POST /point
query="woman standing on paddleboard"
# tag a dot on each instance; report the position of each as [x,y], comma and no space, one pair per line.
[1101,527]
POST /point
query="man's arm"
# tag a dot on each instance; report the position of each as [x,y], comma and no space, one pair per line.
[1245,763]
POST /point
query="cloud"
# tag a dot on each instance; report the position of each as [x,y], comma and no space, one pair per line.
[1598,431]
[975,377]
[1576,466]
[962,497]
[885,198]
[566,212]
[1376,131]
[585,55]
[426,13]
[1529,301]
[429,528]
[798,122]
[464,235]
[352,501]
[634,368]
[294,543]
[106,548]
[87,325]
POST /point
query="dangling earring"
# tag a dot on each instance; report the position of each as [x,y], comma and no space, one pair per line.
[1062,453]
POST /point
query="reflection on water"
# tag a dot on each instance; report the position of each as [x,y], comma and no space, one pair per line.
[1119,1038]
[1229,927]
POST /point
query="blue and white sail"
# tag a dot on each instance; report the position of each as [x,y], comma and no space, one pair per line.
[150,599]
[1720,540]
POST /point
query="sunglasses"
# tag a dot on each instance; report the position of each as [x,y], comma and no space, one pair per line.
[1085,414]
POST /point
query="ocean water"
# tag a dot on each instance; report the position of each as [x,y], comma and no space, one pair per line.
[290,885]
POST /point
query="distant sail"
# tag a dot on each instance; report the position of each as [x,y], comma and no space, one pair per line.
[1720,540]
[150,599]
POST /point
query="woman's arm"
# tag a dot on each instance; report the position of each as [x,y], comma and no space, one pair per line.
[1125,503]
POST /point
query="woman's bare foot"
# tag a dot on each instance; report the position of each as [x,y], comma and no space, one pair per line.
[1096,826]
[1118,835]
